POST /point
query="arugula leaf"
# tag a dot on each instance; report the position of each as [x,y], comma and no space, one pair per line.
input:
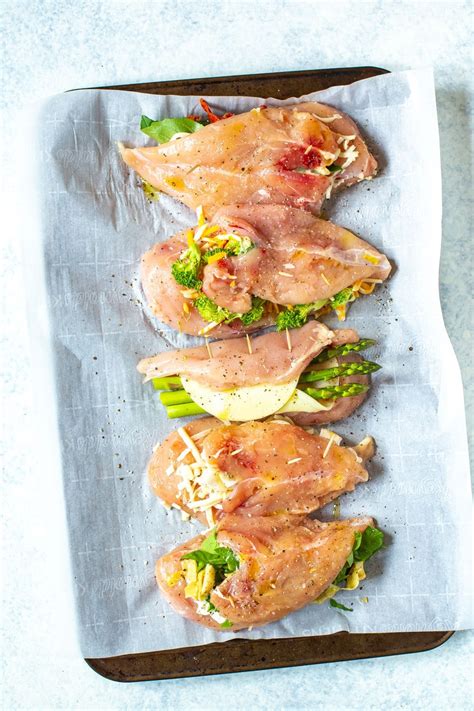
[339,605]
[221,558]
[365,545]
[371,540]
[334,168]
[343,573]
[163,131]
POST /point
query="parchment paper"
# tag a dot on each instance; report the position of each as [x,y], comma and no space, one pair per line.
[96,223]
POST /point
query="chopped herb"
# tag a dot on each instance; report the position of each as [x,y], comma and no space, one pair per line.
[340,606]
[163,131]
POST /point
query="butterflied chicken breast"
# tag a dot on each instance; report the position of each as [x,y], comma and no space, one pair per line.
[260,568]
[256,468]
[315,376]
[271,358]
[210,278]
[292,155]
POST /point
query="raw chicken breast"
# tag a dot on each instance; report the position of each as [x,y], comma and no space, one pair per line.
[286,562]
[254,468]
[295,259]
[264,155]
[233,364]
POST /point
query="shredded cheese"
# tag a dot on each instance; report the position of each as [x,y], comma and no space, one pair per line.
[200,216]
[189,442]
[328,434]
[351,154]
[293,461]
[201,434]
[215,257]
[328,119]
[329,444]
[208,328]
[372,258]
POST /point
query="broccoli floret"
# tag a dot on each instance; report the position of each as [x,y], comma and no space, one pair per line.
[210,311]
[298,315]
[342,297]
[255,313]
[185,269]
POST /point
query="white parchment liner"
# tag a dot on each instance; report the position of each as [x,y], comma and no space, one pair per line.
[95,225]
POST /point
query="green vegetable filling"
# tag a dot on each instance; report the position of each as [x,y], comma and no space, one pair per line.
[366,544]
[297,315]
[163,131]
[185,270]
[221,558]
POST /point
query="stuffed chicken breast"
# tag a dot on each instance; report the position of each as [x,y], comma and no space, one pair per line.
[251,571]
[293,155]
[254,265]
[208,469]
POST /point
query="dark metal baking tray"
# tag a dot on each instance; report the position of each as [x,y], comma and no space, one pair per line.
[245,654]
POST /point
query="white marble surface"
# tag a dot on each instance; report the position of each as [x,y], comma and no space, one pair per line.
[54,46]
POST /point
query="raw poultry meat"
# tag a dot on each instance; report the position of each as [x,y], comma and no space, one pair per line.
[256,468]
[292,155]
[230,364]
[277,254]
[284,562]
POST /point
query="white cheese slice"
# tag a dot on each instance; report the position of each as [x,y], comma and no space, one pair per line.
[301,402]
[241,404]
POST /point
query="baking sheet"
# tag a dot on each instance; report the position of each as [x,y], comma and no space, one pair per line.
[95,225]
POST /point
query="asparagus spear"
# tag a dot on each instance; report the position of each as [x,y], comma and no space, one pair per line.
[333,392]
[329,353]
[342,370]
[189,408]
[173,383]
[175,397]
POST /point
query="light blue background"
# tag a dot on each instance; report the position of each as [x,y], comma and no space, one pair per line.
[54,46]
